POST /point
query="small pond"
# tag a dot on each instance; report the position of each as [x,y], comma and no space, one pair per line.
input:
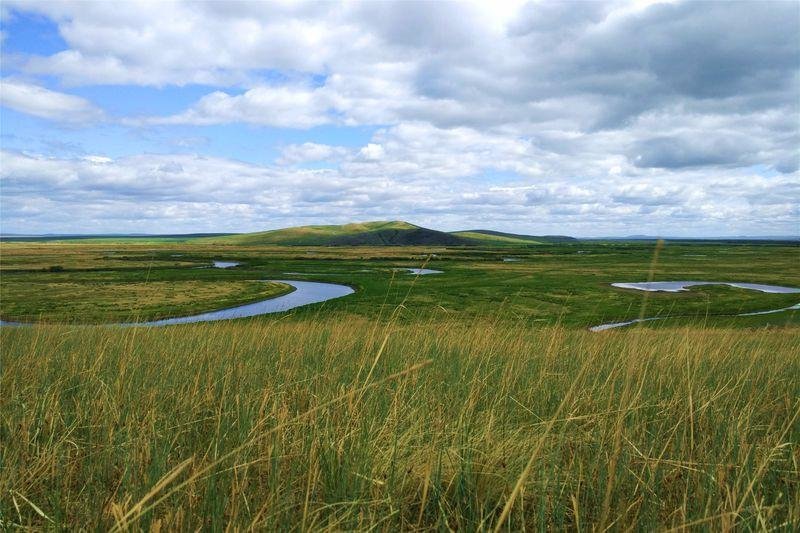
[678,286]
[225,264]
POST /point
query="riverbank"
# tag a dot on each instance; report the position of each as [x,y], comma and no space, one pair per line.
[109,302]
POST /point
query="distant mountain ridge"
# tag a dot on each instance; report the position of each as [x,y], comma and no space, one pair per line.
[379,233]
[375,233]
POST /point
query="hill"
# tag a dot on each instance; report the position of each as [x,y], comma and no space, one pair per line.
[382,233]
[378,233]
[485,236]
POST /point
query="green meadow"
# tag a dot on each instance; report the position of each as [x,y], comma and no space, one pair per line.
[543,284]
[475,399]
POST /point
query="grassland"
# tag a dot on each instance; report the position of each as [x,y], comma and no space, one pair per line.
[562,283]
[469,400]
[336,422]
[92,299]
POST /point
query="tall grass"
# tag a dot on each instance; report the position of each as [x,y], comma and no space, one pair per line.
[345,423]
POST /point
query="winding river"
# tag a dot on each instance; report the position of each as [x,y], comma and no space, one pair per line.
[311,292]
[423,271]
[304,293]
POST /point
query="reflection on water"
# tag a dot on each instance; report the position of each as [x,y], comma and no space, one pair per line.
[676,286]
[226,264]
[794,307]
[423,271]
[612,325]
[305,293]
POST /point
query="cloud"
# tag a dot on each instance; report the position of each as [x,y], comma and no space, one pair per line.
[616,115]
[672,152]
[44,103]
[289,107]
[447,63]
[372,152]
[138,193]
[419,150]
[310,152]
[157,43]
[536,70]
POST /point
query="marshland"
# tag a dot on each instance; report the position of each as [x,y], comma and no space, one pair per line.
[400,266]
[475,398]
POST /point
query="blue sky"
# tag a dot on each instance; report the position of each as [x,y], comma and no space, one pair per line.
[607,118]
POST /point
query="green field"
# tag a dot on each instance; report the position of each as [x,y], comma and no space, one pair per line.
[98,299]
[547,284]
[474,399]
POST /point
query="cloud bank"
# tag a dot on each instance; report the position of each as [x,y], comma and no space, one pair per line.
[617,117]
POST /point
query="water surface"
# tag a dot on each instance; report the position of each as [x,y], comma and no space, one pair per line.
[305,293]
[423,271]
[225,264]
[612,325]
[677,286]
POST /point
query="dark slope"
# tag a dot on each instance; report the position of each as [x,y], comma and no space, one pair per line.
[489,235]
[401,237]
[379,233]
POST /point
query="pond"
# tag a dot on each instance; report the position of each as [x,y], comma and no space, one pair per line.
[677,286]
[304,293]
[225,264]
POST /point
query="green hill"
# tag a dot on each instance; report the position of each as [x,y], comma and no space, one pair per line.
[382,233]
[485,236]
[379,233]
[482,238]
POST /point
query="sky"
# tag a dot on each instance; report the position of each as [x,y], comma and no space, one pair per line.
[587,119]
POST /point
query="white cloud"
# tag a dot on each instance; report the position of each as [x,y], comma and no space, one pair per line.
[160,43]
[616,115]
[196,193]
[284,106]
[97,159]
[44,103]
[372,152]
[310,152]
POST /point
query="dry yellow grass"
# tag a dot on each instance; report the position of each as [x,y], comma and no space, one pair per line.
[104,301]
[345,423]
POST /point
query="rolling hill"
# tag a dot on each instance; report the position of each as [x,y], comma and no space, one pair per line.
[392,233]
[485,236]
[380,233]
